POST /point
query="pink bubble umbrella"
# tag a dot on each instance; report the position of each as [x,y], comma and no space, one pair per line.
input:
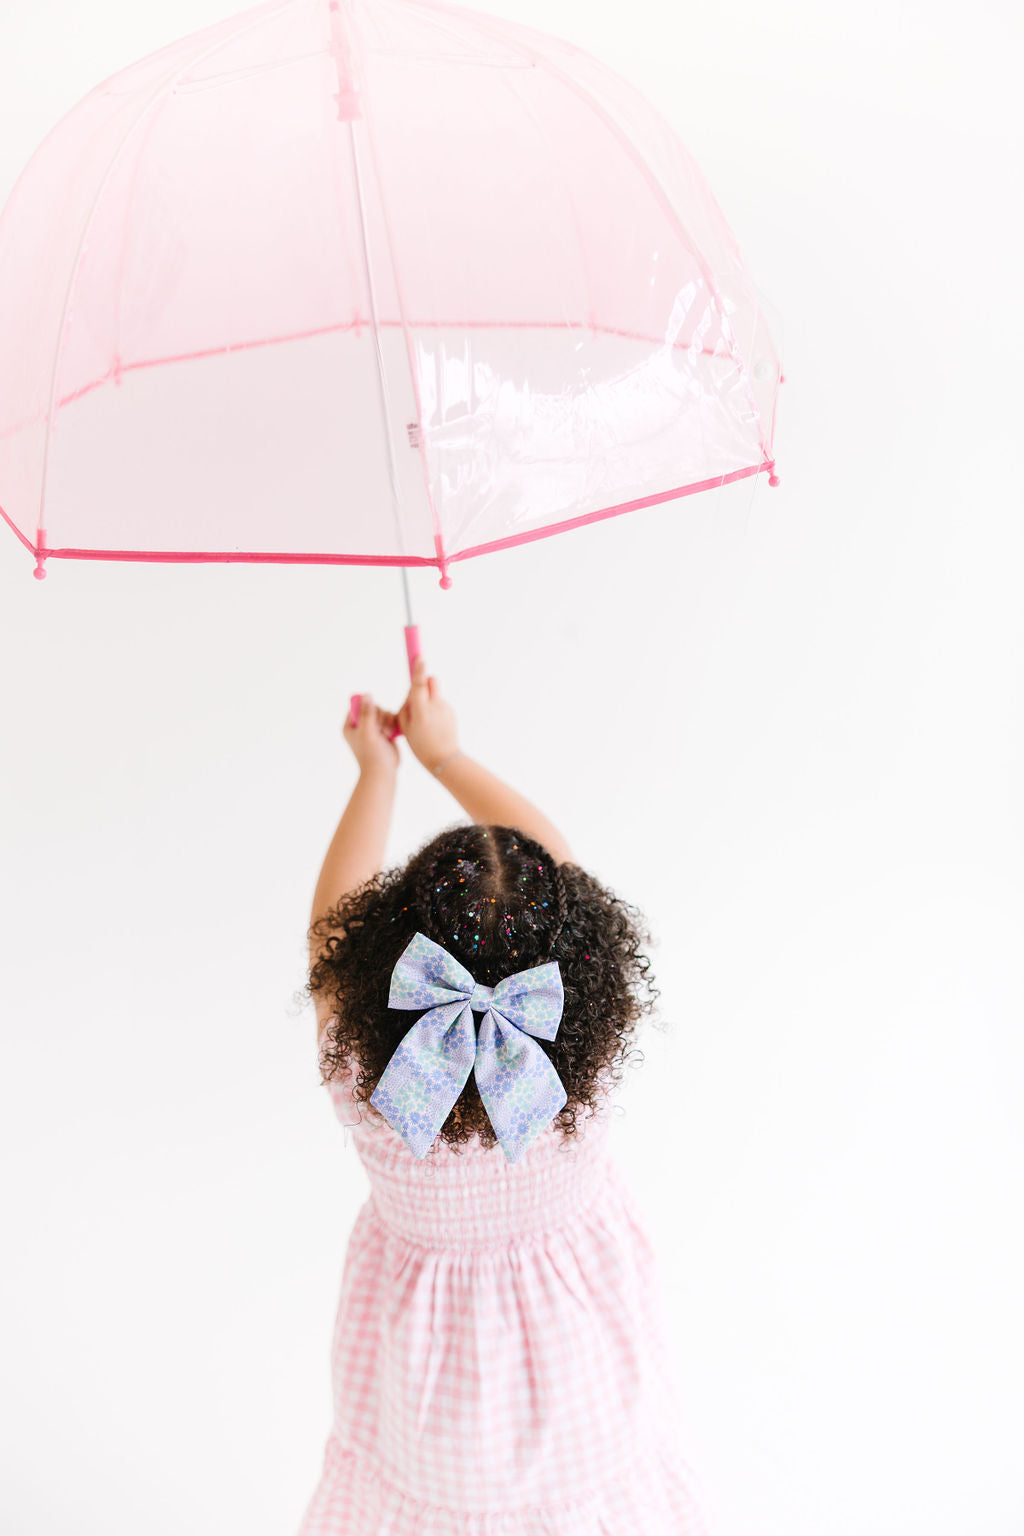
[366,282]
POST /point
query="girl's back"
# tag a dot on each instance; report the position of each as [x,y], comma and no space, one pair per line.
[500,1362]
[499,1359]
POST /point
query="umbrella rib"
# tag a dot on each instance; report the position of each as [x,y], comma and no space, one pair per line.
[382,386]
[668,208]
[653,182]
[165,84]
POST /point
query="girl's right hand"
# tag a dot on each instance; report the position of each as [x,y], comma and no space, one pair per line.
[427,720]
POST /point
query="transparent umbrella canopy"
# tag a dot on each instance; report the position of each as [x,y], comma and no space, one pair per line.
[356,282]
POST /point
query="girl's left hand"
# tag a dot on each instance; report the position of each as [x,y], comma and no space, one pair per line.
[368,739]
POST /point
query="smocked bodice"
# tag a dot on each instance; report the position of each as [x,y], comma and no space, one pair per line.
[474,1197]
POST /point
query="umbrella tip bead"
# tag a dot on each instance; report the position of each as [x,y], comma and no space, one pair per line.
[773,478]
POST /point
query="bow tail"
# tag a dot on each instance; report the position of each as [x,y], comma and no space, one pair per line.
[520,1089]
[420,1084]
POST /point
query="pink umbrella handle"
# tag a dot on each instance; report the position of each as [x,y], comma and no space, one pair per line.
[412,650]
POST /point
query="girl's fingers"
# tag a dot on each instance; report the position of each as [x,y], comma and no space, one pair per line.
[421,680]
[371,718]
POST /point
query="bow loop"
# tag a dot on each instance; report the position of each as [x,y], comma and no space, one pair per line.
[520,1089]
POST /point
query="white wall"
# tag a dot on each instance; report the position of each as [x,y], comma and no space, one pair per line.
[791,731]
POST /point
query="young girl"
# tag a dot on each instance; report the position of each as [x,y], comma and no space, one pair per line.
[500,1363]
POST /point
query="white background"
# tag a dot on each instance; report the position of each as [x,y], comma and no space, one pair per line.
[786,722]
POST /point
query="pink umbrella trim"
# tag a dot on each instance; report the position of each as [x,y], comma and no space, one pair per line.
[441,562]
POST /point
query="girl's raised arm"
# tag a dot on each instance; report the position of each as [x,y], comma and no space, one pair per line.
[356,850]
[429,725]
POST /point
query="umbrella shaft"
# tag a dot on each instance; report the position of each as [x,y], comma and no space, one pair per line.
[405,588]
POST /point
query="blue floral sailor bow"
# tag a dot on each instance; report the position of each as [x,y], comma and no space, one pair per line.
[520,1089]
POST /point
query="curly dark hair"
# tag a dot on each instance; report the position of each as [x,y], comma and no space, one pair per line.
[498,901]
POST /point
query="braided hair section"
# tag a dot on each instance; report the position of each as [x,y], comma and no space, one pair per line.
[560,900]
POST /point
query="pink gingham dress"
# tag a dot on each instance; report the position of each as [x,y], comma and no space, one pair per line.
[499,1361]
